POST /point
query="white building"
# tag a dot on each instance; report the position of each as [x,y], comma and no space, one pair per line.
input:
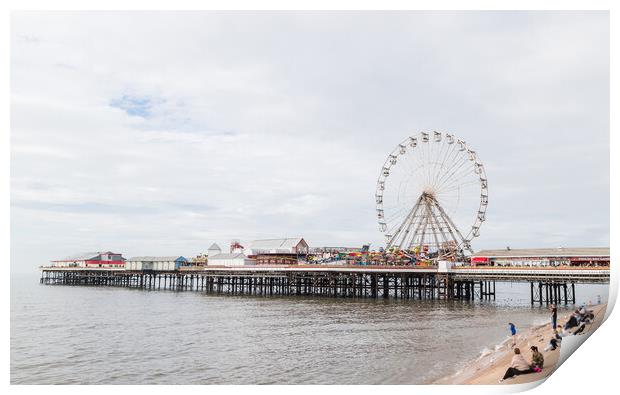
[234,259]
[214,250]
[160,263]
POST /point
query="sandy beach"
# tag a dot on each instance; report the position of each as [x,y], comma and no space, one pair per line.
[489,368]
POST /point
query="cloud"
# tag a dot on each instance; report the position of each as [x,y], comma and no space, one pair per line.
[161,132]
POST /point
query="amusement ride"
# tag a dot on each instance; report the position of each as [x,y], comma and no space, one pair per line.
[431,197]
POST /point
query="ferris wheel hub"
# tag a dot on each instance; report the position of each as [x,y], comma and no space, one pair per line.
[429,192]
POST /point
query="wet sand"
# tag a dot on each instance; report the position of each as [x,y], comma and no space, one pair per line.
[489,368]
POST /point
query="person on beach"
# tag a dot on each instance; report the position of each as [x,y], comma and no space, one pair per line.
[538,360]
[513,333]
[518,366]
[585,315]
[580,329]
[554,316]
[572,322]
[554,343]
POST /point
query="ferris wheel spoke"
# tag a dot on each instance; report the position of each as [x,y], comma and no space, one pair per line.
[451,170]
[429,158]
[434,160]
[455,186]
[394,216]
[449,152]
[457,163]
[453,160]
[455,168]
[465,171]
[454,191]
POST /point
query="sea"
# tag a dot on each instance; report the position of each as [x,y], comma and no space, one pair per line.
[110,335]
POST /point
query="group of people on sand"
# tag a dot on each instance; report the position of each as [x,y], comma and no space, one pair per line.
[578,320]
[519,365]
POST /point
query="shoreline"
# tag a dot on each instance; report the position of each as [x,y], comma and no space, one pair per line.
[488,368]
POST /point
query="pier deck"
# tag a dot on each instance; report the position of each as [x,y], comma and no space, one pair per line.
[548,285]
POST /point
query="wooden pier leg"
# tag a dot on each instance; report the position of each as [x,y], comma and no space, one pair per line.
[374,285]
[386,286]
[540,293]
[565,293]
[419,287]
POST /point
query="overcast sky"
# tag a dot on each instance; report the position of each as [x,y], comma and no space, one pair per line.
[158,133]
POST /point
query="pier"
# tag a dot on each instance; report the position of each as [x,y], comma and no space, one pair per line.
[548,285]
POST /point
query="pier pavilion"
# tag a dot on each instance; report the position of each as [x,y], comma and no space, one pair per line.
[535,257]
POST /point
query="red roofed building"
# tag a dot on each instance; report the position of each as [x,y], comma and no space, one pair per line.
[92,259]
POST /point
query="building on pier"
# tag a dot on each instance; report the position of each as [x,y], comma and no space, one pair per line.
[537,257]
[230,259]
[159,263]
[285,251]
[213,250]
[92,259]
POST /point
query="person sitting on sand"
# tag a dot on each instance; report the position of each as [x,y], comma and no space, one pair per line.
[553,345]
[585,315]
[580,329]
[537,359]
[571,323]
[554,342]
[518,366]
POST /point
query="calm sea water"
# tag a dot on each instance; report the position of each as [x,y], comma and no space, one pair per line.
[99,335]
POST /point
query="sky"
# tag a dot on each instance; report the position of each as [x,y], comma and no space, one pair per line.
[158,133]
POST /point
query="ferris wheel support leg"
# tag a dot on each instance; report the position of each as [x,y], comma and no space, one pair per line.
[410,218]
[429,213]
[449,220]
[423,227]
[445,237]
[415,233]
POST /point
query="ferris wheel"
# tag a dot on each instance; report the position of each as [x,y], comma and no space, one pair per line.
[432,196]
